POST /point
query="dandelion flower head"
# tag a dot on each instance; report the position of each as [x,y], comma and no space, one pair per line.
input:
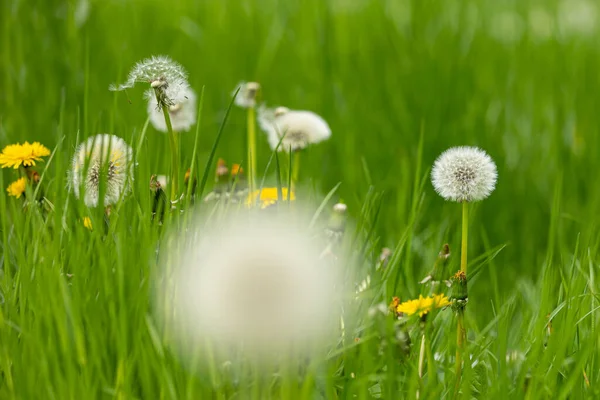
[298,128]
[163,74]
[250,283]
[102,158]
[464,174]
[246,96]
[422,305]
[17,188]
[266,197]
[182,113]
[26,154]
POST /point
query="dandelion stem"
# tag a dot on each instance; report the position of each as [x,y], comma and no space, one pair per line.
[295,169]
[465,234]
[174,181]
[461,331]
[251,148]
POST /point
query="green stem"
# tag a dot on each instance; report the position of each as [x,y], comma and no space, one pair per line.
[465,234]
[461,335]
[295,169]
[461,331]
[251,148]
[174,181]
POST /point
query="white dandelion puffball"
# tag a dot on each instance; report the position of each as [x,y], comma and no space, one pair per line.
[159,72]
[102,160]
[246,96]
[298,128]
[253,283]
[182,114]
[464,174]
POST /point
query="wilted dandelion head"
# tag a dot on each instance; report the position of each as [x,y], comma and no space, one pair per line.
[298,128]
[103,160]
[464,174]
[182,112]
[165,76]
[253,283]
[246,97]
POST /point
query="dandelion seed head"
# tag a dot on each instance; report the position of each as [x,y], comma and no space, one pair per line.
[246,96]
[156,70]
[464,174]
[299,129]
[253,283]
[102,158]
[182,112]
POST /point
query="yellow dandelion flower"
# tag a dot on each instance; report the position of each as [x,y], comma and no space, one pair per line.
[423,305]
[26,154]
[17,188]
[87,222]
[268,196]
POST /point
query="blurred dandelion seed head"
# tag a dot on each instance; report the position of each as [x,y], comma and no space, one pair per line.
[464,174]
[182,111]
[299,129]
[248,92]
[253,283]
[99,153]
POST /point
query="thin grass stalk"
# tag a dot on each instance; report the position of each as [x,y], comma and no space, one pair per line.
[421,363]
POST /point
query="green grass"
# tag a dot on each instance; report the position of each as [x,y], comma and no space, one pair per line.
[399,82]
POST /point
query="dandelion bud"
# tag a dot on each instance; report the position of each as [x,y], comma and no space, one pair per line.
[337,221]
[458,290]
[464,174]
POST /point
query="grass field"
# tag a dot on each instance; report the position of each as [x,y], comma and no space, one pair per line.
[399,82]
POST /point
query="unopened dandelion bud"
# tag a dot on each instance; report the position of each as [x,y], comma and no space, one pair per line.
[459,293]
[394,307]
[337,221]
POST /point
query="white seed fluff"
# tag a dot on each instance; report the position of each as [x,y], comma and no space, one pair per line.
[162,73]
[299,129]
[464,174]
[246,97]
[153,69]
[251,283]
[102,158]
[182,112]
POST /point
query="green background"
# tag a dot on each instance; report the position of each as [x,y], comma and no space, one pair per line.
[519,79]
